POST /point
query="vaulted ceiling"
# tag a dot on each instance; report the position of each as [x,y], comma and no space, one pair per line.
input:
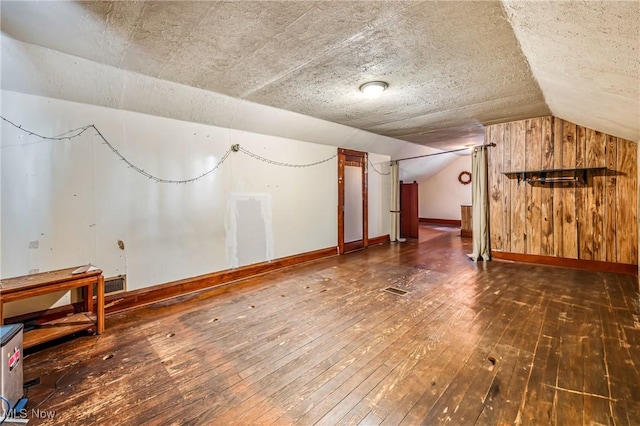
[452,67]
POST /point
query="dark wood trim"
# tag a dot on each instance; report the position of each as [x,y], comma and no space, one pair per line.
[341,161]
[353,246]
[215,282]
[446,222]
[350,152]
[348,157]
[383,239]
[590,265]
[365,199]
[47,314]
[467,233]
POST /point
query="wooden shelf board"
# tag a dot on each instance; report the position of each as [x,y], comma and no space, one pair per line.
[556,175]
[578,169]
[59,328]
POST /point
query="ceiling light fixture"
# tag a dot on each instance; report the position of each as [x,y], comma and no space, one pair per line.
[373,89]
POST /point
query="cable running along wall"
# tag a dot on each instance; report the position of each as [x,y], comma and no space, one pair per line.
[74,133]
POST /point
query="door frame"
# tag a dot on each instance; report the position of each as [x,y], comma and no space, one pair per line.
[349,157]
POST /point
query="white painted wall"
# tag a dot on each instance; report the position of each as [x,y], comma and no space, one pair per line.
[441,196]
[76,199]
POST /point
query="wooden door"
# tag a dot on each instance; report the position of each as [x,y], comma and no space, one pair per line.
[409,210]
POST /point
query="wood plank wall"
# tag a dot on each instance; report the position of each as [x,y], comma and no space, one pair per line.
[592,221]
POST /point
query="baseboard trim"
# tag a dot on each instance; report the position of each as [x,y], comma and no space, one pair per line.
[590,265]
[467,233]
[383,239]
[445,222]
[219,282]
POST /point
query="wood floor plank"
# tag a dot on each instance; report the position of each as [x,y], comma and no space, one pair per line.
[370,358]
[435,402]
[465,403]
[296,391]
[322,343]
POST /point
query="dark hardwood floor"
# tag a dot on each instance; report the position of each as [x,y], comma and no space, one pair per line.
[488,344]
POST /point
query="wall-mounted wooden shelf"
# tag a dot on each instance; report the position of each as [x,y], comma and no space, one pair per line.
[553,175]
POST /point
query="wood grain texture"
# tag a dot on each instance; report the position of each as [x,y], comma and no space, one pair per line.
[409,207]
[507,185]
[567,139]
[594,205]
[445,222]
[584,201]
[321,343]
[518,190]
[92,318]
[610,215]
[558,193]
[466,223]
[627,195]
[546,197]
[581,229]
[216,282]
[575,220]
[382,239]
[59,328]
[533,161]
[588,265]
[220,281]
[494,134]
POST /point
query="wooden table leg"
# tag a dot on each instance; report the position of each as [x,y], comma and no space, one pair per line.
[87,293]
[100,304]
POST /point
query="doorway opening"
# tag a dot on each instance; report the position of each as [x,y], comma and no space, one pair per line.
[353,215]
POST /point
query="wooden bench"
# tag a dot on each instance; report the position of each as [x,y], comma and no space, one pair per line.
[92,318]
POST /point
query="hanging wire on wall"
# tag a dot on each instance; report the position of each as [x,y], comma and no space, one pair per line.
[157,179]
[62,137]
[279,163]
[234,148]
[378,171]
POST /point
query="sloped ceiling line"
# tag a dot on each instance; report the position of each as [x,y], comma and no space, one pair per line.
[585,56]
[451,65]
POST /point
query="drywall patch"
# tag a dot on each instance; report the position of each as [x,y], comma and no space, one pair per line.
[248,226]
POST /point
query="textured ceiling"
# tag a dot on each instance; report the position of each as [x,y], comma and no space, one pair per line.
[451,66]
[586,58]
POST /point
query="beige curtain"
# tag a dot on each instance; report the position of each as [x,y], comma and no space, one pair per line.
[480,205]
[394,233]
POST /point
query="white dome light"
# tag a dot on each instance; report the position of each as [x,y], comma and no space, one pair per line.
[373,89]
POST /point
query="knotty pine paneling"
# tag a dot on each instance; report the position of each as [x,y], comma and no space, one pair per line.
[495,185]
[591,211]
[506,208]
[546,200]
[518,192]
[533,161]
[626,194]
[567,138]
[610,225]
[592,220]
